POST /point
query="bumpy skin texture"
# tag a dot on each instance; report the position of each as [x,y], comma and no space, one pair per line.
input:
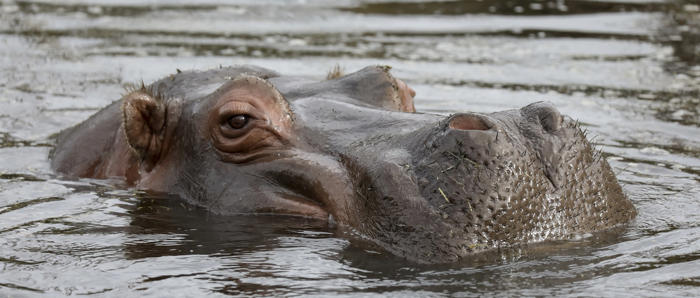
[432,189]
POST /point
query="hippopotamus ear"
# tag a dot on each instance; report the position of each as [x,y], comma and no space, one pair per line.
[376,86]
[144,125]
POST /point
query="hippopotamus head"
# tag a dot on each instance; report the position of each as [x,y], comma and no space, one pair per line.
[352,150]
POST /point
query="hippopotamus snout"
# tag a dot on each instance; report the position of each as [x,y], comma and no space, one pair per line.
[476,180]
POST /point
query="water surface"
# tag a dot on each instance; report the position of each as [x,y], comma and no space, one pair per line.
[629,70]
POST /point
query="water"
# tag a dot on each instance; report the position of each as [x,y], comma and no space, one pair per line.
[629,70]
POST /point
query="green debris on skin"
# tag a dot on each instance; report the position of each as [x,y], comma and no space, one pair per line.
[443,195]
[462,157]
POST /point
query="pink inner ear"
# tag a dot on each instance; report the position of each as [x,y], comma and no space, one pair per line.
[468,122]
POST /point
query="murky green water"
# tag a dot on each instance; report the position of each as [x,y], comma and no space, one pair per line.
[628,69]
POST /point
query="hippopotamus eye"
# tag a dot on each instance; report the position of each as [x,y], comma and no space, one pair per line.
[238,121]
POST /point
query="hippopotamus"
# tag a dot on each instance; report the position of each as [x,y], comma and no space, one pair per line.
[351,150]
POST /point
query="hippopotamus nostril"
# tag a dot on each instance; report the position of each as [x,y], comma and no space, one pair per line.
[468,122]
[545,112]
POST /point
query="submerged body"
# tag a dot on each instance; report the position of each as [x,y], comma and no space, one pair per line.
[351,149]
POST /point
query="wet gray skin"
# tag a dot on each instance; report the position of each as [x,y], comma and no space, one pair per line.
[350,150]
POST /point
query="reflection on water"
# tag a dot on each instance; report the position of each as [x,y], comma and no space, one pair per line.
[628,70]
[512,7]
